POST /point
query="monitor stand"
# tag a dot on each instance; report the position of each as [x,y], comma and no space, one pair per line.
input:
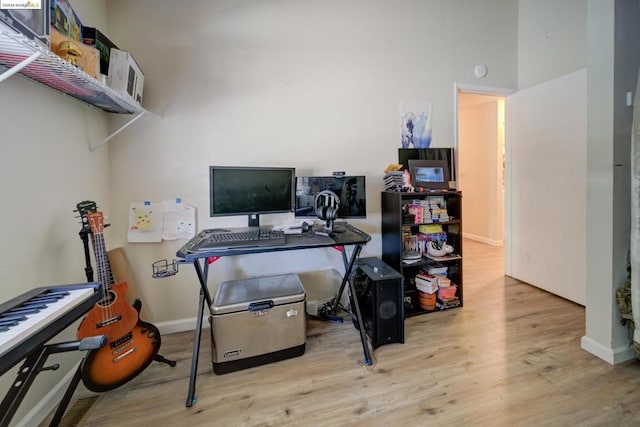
[254,220]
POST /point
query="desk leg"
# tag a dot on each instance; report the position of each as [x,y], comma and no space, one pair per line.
[204,297]
[191,398]
[368,361]
[336,301]
[202,278]
[348,264]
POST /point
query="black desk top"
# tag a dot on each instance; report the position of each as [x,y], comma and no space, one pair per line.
[351,236]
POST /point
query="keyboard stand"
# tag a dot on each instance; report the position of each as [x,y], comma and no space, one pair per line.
[201,261]
[33,365]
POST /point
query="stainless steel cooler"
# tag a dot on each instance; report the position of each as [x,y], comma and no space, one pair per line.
[257,321]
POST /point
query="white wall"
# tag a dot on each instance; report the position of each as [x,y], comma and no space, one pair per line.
[46,168]
[556,39]
[614,60]
[311,84]
[551,39]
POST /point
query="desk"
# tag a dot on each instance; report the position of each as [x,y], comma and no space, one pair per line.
[201,261]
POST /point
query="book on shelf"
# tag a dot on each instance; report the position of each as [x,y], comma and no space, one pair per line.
[426,283]
[426,278]
[443,281]
[442,304]
[430,229]
[437,269]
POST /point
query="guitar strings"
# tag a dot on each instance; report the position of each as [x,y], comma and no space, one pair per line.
[102,261]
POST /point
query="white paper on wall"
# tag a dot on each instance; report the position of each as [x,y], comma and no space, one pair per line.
[179,220]
[145,222]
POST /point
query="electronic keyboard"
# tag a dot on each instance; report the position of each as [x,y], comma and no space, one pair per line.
[28,321]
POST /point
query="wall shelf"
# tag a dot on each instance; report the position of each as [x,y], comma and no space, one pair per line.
[19,54]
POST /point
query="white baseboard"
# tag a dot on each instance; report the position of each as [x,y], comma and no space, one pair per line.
[181,325]
[482,239]
[613,356]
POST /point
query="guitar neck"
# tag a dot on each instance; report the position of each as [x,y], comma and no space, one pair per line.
[105,275]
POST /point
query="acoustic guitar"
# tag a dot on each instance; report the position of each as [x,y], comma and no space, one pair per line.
[132,344]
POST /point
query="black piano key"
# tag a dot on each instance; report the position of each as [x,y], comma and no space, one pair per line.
[9,322]
[45,299]
[31,310]
[33,304]
[28,305]
[3,329]
[18,317]
[57,294]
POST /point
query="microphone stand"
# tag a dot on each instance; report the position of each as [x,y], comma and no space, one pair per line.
[84,235]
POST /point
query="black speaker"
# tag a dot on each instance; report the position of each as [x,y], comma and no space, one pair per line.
[379,289]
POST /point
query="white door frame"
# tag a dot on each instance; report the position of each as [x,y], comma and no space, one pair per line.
[492,91]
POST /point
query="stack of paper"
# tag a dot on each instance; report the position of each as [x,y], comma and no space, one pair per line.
[394,181]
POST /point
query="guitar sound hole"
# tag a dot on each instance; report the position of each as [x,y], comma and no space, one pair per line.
[108,299]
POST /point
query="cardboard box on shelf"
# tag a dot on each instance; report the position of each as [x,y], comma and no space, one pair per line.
[95,38]
[88,58]
[32,23]
[65,20]
[125,75]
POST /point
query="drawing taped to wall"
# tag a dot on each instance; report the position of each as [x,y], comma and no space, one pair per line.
[152,222]
[145,222]
[179,220]
[415,124]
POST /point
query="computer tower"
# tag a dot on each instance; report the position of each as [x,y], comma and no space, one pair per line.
[379,289]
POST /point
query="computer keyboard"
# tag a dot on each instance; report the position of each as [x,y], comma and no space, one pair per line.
[236,237]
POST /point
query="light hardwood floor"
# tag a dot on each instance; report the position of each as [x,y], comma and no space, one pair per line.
[510,357]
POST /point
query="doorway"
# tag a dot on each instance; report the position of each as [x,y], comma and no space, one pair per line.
[480,150]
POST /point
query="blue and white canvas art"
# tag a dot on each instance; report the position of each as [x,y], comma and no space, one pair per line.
[415,123]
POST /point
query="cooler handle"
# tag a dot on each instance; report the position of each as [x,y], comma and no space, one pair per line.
[262,305]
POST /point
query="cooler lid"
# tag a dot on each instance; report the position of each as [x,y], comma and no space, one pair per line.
[236,295]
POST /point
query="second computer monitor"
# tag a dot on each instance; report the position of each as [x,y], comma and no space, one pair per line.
[350,190]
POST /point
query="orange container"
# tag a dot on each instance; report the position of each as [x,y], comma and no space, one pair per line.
[427,301]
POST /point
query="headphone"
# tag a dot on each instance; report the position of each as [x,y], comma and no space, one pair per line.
[326,205]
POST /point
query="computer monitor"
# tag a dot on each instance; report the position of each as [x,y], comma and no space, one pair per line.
[351,190]
[251,191]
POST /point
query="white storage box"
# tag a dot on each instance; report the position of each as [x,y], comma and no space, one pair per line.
[257,321]
[125,75]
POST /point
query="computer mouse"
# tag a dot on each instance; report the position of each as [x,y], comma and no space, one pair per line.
[305,227]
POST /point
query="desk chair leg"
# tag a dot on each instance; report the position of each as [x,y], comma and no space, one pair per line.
[191,399]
